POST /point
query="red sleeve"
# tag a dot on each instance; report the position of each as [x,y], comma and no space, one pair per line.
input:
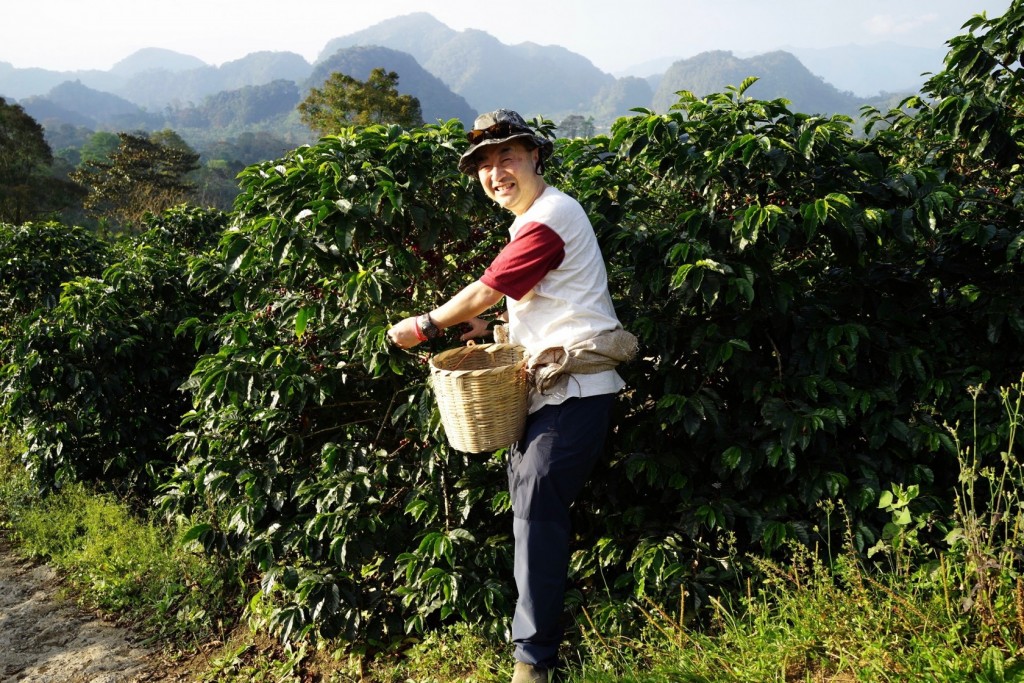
[525,260]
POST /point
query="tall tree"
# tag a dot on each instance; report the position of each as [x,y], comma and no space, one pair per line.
[142,176]
[28,188]
[346,101]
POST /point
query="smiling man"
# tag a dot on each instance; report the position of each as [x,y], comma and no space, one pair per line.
[552,276]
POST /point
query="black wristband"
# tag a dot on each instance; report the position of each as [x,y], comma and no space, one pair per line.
[427,326]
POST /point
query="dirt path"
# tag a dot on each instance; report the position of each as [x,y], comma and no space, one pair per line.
[47,640]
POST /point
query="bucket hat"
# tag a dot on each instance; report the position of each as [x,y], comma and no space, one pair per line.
[495,128]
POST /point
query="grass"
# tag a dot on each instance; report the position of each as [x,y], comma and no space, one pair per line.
[115,562]
[910,611]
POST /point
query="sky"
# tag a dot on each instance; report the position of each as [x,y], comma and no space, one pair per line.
[68,35]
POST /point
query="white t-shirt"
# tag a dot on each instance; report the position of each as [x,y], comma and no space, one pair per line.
[554,280]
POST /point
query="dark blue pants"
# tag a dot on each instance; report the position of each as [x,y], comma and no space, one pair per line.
[547,469]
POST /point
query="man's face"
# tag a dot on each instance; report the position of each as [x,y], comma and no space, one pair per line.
[508,174]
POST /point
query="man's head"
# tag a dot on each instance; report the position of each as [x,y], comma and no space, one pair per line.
[496,128]
[508,173]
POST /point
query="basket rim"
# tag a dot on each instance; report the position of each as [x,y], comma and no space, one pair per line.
[475,348]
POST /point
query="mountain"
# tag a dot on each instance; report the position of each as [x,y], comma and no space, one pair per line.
[618,98]
[258,68]
[16,83]
[418,34]
[239,109]
[649,68]
[437,101]
[780,75]
[155,59]
[534,79]
[77,104]
[51,115]
[454,74]
[162,86]
[865,70]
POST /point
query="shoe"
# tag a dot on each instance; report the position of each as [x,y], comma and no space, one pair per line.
[527,673]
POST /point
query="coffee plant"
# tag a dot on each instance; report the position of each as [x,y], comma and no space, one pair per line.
[93,384]
[314,447]
[812,305]
[35,259]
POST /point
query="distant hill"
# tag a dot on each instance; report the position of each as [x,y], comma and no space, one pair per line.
[52,115]
[17,83]
[534,79]
[155,59]
[74,103]
[418,34]
[437,101]
[159,87]
[619,97]
[780,74]
[864,70]
[241,108]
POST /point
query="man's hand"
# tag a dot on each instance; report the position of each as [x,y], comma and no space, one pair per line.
[474,329]
[404,334]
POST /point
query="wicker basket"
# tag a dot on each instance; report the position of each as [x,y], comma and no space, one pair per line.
[482,394]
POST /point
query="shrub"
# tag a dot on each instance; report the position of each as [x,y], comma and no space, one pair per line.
[94,384]
[808,302]
[313,446]
[35,260]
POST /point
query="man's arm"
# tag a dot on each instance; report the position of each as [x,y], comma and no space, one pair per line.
[469,303]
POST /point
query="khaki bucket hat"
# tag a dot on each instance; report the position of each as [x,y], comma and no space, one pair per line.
[495,128]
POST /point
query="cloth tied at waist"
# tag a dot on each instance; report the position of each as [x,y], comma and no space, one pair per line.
[587,357]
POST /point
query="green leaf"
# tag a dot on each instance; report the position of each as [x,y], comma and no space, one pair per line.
[302,319]
[196,532]
[237,250]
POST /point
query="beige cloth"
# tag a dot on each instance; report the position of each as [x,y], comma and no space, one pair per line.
[590,356]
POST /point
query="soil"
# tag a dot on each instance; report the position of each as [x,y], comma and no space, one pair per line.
[45,638]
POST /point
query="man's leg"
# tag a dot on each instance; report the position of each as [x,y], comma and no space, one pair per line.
[547,470]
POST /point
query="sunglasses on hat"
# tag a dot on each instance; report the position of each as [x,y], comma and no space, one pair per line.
[502,129]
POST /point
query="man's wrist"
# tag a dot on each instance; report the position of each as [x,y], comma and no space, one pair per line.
[416,328]
[426,328]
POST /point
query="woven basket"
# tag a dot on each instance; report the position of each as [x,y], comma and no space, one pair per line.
[481,393]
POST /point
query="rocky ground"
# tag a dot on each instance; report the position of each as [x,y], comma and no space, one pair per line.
[47,639]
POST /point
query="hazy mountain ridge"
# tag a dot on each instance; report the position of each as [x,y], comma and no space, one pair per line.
[18,83]
[780,74]
[157,88]
[455,74]
[240,108]
[539,79]
[863,70]
[74,103]
[154,59]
